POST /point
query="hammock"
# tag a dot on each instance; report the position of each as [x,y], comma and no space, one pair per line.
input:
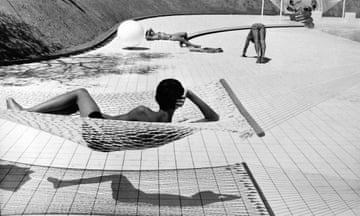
[114,135]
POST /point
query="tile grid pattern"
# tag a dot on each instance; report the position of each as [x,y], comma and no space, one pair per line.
[305,156]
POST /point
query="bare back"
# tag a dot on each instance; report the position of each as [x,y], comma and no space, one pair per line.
[142,113]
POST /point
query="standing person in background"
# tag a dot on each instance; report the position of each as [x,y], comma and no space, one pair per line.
[257,35]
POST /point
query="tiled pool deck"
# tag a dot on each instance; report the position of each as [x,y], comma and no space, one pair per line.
[307,99]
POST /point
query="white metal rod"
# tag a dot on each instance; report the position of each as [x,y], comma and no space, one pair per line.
[343,11]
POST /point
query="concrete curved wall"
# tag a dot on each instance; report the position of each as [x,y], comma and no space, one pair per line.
[71,24]
[350,6]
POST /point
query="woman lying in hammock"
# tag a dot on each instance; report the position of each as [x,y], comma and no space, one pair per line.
[182,37]
[170,95]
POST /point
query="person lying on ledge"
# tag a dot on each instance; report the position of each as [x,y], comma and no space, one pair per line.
[313,5]
[170,95]
[291,7]
[182,37]
[257,35]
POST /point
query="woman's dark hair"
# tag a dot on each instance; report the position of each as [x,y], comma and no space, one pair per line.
[149,32]
[168,92]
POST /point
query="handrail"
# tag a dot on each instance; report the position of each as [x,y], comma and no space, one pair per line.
[238,28]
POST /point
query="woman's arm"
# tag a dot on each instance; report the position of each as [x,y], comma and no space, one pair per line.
[207,111]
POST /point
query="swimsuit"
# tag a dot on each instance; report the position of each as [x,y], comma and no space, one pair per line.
[164,36]
[96,114]
[257,26]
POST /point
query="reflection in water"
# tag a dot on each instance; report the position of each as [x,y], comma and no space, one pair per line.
[126,189]
[80,67]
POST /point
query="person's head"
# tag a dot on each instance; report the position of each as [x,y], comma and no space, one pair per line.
[149,33]
[168,92]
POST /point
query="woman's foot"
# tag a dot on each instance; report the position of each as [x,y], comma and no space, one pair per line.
[54,181]
[263,60]
[13,105]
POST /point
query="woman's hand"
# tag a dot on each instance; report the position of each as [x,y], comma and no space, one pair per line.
[180,102]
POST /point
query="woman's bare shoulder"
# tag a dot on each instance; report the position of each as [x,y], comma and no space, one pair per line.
[142,113]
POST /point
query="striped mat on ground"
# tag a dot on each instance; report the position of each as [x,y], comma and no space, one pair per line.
[225,190]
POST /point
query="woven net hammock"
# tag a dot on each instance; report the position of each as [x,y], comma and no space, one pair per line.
[114,135]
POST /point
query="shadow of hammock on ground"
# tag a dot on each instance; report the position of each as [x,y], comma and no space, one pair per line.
[125,190]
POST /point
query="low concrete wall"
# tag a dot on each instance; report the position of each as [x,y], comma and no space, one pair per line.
[77,24]
[351,6]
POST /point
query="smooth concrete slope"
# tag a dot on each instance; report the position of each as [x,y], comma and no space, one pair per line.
[350,6]
[67,26]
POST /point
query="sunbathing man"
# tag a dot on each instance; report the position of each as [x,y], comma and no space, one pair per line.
[291,7]
[170,95]
[182,37]
[257,36]
[313,5]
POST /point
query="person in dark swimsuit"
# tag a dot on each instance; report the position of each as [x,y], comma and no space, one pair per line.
[182,37]
[313,5]
[291,7]
[256,35]
[170,95]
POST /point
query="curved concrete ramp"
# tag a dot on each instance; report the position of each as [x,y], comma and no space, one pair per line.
[72,25]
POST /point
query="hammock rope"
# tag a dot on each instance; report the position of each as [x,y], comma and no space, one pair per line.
[114,135]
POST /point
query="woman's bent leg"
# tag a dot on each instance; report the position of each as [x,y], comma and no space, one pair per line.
[68,103]
[262,33]
[255,33]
